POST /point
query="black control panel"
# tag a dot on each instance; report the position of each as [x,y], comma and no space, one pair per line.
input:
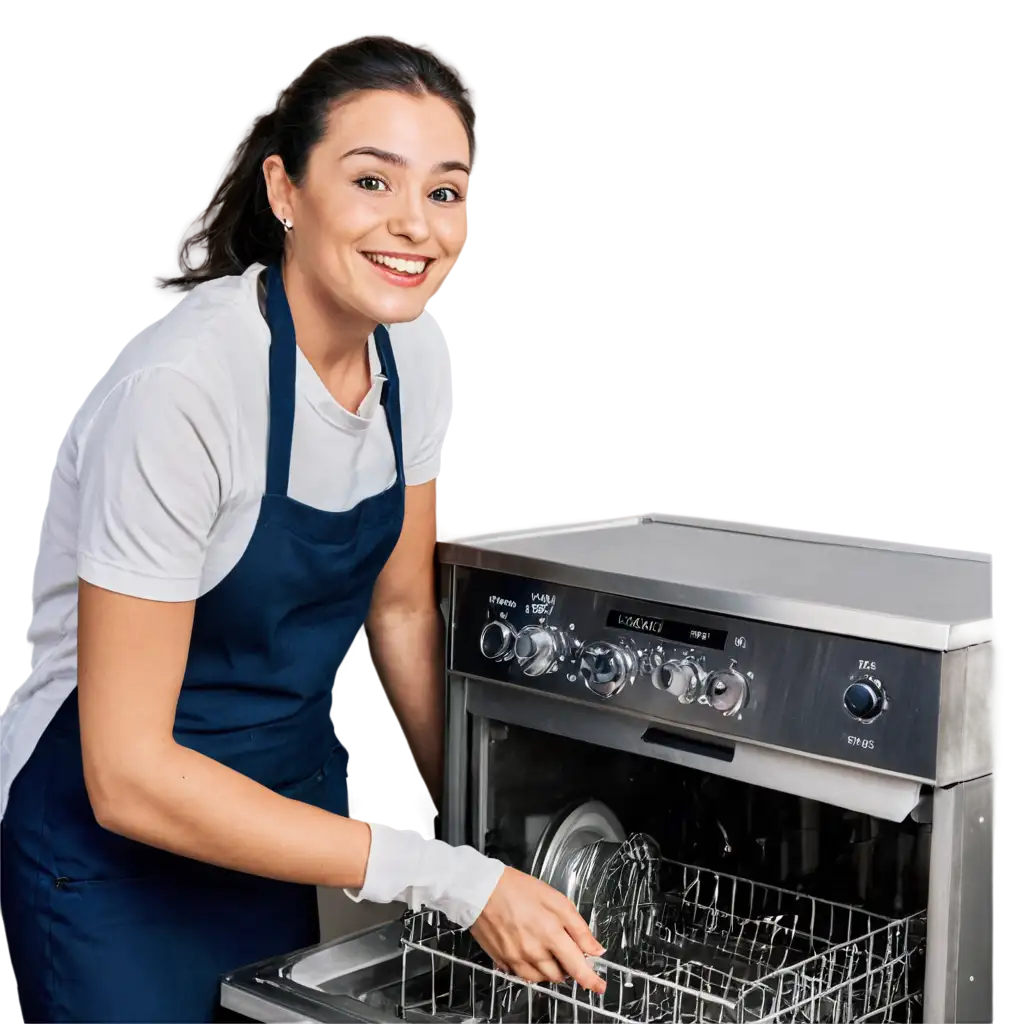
[847,699]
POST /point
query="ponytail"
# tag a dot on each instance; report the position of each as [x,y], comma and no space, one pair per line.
[238,228]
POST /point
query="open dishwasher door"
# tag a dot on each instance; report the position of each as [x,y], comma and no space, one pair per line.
[352,978]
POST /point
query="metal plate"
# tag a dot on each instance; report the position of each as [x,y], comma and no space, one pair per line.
[570,831]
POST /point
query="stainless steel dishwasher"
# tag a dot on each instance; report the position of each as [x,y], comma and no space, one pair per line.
[760,762]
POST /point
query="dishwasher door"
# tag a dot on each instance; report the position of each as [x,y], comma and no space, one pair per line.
[353,978]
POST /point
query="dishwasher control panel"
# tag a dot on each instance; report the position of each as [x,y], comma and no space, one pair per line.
[838,697]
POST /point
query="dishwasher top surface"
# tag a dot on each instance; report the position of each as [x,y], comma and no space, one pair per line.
[919,597]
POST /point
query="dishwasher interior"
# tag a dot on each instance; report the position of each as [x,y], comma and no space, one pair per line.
[758,762]
[762,906]
[713,823]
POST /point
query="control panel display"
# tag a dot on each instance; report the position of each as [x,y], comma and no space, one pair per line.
[837,697]
[679,632]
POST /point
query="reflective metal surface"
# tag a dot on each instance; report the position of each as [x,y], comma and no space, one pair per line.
[894,593]
[574,829]
[354,979]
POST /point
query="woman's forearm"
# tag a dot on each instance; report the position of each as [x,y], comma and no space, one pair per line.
[407,648]
[189,804]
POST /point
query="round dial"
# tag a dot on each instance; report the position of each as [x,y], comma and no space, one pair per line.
[683,679]
[538,649]
[496,640]
[864,699]
[606,668]
[727,690]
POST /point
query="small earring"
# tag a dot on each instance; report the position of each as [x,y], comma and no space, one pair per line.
[287,223]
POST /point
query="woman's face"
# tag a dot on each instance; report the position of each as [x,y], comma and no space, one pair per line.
[380,218]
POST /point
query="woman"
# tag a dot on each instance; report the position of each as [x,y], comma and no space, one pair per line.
[251,482]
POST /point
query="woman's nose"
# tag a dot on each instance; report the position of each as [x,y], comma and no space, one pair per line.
[409,218]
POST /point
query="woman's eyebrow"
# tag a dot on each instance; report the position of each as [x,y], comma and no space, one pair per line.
[395,160]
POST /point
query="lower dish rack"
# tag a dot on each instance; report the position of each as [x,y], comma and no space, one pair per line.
[705,946]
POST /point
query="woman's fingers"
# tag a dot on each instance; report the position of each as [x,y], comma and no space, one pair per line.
[575,963]
[527,971]
[550,970]
[533,931]
[578,930]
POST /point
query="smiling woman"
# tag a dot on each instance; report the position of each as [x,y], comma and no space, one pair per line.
[374,211]
[250,484]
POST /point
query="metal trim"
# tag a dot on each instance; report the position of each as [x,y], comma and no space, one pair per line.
[479,780]
[823,618]
[961,850]
[245,998]
[953,699]
[974,963]
[979,707]
[457,764]
[964,745]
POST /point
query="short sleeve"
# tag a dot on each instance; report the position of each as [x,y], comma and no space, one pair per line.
[153,466]
[431,404]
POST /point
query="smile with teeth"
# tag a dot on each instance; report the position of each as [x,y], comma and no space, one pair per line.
[399,266]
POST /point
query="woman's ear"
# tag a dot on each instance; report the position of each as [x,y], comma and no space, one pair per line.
[279,188]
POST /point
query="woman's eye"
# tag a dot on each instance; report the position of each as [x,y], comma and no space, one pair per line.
[369,182]
[455,197]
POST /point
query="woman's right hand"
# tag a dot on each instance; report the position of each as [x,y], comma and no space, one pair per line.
[533,931]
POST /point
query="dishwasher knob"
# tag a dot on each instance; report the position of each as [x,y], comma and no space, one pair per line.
[496,640]
[726,690]
[607,668]
[864,699]
[539,649]
[683,679]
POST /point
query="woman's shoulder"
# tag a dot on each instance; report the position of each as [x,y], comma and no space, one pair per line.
[210,328]
[202,344]
[188,358]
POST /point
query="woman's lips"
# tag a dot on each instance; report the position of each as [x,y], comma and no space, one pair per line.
[403,271]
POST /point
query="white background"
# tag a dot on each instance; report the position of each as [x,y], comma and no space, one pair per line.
[113,123]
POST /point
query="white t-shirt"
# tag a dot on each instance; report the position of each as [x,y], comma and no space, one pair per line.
[159,479]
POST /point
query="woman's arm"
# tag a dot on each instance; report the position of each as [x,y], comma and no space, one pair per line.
[153,468]
[144,785]
[405,633]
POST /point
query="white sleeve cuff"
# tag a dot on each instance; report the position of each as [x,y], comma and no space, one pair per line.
[423,472]
[135,584]
[405,867]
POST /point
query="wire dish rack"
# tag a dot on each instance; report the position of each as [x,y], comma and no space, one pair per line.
[684,944]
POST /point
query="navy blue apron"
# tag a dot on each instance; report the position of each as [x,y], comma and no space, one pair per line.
[101,928]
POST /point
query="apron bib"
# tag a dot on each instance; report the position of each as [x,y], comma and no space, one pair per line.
[101,928]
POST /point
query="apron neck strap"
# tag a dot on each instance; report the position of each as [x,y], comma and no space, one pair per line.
[390,397]
[282,383]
